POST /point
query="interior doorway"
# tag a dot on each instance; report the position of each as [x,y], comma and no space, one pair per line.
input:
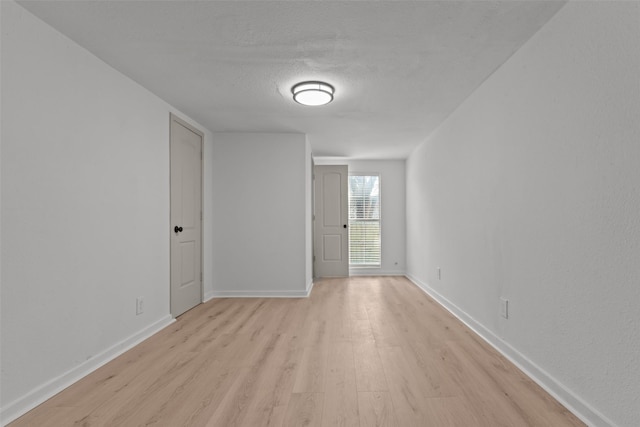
[331,233]
[186,216]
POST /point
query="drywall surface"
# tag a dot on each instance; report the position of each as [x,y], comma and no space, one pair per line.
[259,225]
[308,203]
[531,191]
[208,202]
[85,210]
[232,63]
[392,216]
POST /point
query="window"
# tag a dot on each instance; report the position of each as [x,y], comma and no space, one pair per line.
[364,220]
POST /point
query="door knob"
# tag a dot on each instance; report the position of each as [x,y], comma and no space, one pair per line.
[177,229]
[344,226]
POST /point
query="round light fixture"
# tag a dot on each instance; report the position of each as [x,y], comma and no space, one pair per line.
[313,93]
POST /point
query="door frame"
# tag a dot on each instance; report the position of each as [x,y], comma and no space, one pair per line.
[313,218]
[174,117]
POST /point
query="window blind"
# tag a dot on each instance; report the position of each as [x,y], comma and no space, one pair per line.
[364,220]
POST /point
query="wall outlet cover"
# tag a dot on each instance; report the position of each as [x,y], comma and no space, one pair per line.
[504,308]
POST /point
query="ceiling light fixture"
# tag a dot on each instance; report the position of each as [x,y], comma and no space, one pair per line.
[313,93]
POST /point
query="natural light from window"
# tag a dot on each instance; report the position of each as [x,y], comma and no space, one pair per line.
[364,220]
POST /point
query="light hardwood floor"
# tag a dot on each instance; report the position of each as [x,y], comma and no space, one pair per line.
[372,351]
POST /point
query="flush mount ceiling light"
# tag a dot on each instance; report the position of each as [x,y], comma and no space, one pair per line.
[313,93]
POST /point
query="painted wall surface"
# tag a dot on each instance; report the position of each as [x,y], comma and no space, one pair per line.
[308,176]
[85,208]
[392,217]
[531,191]
[208,203]
[259,230]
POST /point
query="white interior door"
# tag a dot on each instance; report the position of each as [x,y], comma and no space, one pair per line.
[186,216]
[331,238]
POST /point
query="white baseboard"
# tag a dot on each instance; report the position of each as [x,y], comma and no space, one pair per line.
[260,294]
[47,390]
[354,272]
[309,288]
[555,388]
[208,296]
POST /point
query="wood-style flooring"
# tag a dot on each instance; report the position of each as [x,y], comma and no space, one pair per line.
[362,351]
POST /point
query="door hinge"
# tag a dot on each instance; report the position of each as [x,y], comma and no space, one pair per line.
[314,258]
[201,276]
[200,215]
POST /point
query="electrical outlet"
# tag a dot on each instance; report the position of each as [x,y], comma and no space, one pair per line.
[504,308]
[439,273]
[139,305]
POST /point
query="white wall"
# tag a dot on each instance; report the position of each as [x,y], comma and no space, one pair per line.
[308,174]
[85,211]
[208,203]
[392,216]
[259,218]
[530,191]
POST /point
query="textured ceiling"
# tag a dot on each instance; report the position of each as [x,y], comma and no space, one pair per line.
[399,68]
